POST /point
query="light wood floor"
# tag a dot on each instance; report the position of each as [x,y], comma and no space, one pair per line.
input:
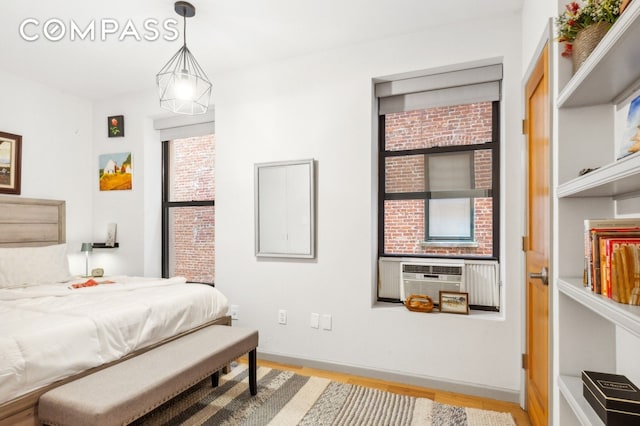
[519,415]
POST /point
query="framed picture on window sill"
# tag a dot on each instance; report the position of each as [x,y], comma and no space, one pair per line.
[454,302]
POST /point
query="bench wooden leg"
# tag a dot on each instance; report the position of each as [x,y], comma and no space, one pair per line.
[215,379]
[253,384]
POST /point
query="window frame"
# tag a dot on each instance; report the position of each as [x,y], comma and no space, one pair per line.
[168,205]
[494,193]
[452,239]
[449,194]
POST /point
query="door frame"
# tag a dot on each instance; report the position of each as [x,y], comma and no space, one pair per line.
[546,38]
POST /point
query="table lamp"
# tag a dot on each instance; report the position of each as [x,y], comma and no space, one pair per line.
[86,248]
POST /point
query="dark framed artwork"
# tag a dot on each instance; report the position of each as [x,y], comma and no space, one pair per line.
[115,126]
[10,163]
[454,302]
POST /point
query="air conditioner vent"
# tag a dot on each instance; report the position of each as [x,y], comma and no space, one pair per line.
[432,269]
[429,278]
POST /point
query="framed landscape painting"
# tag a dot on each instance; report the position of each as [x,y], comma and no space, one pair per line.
[10,163]
[116,171]
[454,302]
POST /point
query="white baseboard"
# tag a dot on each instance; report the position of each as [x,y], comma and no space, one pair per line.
[461,388]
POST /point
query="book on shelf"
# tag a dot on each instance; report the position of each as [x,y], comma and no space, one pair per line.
[619,267]
[591,249]
[597,235]
[625,272]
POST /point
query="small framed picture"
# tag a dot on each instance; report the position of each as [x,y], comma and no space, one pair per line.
[115,126]
[454,302]
[116,171]
[10,163]
[631,138]
[111,235]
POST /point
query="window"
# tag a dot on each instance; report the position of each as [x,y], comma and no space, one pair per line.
[439,164]
[188,208]
[450,217]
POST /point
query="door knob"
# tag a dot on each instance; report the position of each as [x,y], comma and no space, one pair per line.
[542,275]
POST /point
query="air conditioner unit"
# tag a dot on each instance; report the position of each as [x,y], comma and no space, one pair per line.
[429,278]
[390,276]
[482,282]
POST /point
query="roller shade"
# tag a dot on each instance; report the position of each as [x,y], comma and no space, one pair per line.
[480,84]
[185,126]
[449,172]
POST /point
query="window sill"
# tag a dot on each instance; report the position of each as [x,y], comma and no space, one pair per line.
[452,244]
[473,314]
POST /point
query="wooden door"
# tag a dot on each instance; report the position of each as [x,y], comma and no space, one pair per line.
[537,241]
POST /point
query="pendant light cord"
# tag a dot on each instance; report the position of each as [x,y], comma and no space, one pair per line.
[184,36]
[184,27]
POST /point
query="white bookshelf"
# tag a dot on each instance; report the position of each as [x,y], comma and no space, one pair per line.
[626,316]
[617,178]
[588,326]
[612,71]
[571,388]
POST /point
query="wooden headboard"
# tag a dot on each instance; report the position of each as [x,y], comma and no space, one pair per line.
[31,222]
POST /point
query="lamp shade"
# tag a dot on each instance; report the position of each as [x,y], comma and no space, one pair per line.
[183,86]
[86,247]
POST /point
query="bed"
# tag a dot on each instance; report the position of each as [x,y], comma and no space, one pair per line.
[53,330]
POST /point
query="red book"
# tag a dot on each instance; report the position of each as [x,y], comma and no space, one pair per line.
[594,258]
[609,224]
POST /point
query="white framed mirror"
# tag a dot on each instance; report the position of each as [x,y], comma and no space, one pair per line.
[285,209]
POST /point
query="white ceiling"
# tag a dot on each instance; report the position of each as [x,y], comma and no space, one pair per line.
[223,35]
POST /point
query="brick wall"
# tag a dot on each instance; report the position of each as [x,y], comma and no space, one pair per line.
[193,228]
[193,162]
[194,243]
[444,126]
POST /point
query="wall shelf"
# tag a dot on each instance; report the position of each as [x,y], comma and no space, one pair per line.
[617,178]
[103,246]
[571,388]
[626,316]
[612,71]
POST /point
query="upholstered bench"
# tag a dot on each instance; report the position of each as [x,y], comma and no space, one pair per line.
[126,391]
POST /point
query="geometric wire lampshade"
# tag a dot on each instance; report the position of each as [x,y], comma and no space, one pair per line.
[183,86]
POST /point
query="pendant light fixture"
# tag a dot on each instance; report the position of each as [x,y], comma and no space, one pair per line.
[182,84]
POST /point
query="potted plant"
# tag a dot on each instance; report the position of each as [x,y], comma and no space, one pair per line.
[582,25]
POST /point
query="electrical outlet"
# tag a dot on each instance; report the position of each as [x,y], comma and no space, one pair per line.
[233,311]
[282,316]
[326,321]
[315,320]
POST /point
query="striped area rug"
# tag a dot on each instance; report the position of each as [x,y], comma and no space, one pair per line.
[285,398]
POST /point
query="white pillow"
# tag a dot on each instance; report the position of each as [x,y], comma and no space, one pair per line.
[24,266]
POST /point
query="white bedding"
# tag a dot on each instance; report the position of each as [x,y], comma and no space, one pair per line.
[49,332]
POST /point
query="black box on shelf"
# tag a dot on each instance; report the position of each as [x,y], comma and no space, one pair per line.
[613,397]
